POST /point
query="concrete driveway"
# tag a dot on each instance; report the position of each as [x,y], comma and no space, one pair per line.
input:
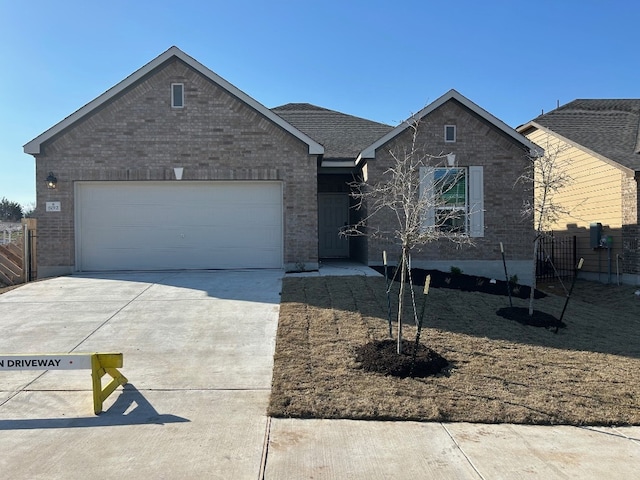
[198,353]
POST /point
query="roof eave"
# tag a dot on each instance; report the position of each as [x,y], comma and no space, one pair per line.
[34,146]
[452,94]
[579,146]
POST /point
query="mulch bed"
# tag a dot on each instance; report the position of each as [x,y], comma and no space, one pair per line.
[538,319]
[466,283]
[381,356]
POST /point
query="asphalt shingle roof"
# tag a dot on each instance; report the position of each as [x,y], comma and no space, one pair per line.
[610,128]
[341,135]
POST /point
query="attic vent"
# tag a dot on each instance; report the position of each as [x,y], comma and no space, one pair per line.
[449,133]
[177,95]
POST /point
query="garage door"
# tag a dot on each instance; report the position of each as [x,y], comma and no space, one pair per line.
[178,225]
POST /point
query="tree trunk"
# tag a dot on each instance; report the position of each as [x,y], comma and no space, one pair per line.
[403,279]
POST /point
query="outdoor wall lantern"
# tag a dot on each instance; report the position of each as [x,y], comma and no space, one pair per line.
[178,172]
[451,159]
[52,181]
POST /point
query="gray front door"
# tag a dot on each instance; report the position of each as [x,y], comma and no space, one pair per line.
[333,214]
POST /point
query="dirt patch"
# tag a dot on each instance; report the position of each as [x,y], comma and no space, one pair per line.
[4,289]
[500,371]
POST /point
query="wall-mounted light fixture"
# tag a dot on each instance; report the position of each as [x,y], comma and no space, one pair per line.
[51,180]
[451,159]
[178,172]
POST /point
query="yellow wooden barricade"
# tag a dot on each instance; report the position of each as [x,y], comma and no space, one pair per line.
[101,364]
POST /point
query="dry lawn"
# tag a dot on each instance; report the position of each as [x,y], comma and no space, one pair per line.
[500,370]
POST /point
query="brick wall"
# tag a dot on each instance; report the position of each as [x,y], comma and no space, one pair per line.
[504,161]
[138,136]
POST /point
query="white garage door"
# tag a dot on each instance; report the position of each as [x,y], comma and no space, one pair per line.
[178,225]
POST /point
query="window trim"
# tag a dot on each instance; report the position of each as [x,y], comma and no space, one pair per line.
[474,221]
[455,133]
[462,173]
[173,95]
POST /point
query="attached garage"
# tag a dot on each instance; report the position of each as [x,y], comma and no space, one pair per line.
[178,225]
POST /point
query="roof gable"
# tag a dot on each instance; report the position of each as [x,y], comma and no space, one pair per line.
[33,147]
[343,136]
[609,128]
[370,151]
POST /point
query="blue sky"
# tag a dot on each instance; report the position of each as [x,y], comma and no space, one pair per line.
[381,60]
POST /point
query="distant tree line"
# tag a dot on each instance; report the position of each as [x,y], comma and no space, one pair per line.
[10,211]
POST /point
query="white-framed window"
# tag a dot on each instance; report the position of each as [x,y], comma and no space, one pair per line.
[450,133]
[455,199]
[177,95]
[450,184]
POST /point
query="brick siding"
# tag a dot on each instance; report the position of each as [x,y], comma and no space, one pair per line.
[478,144]
[138,136]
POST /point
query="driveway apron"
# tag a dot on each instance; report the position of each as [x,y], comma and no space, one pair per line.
[198,354]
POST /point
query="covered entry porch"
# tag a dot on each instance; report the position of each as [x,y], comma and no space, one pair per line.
[336,210]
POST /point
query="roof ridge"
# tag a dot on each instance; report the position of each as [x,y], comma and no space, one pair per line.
[300,106]
[601,104]
[310,108]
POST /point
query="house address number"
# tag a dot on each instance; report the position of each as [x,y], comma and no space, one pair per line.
[53,207]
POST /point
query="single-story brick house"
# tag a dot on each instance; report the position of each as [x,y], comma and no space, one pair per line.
[175,168]
[599,145]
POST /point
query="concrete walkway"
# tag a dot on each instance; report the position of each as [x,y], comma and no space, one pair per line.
[198,352]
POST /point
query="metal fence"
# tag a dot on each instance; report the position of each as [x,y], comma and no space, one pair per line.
[556,257]
[10,233]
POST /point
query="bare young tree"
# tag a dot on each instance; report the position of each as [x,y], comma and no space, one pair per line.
[426,199]
[547,175]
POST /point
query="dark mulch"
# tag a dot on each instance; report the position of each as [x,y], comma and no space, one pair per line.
[538,319]
[466,283]
[381,356]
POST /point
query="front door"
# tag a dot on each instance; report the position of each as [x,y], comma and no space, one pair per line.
[333,214]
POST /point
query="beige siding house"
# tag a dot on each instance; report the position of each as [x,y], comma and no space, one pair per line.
[600,150]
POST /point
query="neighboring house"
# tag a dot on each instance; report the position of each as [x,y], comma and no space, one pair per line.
[599,142]
[175,168]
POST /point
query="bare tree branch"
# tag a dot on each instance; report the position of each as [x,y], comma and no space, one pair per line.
[546,175]
[423,194]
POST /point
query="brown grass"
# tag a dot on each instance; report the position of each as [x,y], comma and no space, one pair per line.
[501,371]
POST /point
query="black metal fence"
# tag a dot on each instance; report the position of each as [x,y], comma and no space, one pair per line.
[556,257]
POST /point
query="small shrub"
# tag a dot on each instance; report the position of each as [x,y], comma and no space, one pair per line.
[456,270]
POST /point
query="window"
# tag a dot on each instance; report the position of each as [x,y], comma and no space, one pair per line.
[455,201]
[450,186]
[177,95]
[450,133]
